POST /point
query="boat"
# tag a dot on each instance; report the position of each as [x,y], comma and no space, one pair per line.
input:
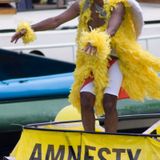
[32,93]
[67,140]
[34,88]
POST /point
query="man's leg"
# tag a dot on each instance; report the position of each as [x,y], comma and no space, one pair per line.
[110,98]
[87,111]
[111,118]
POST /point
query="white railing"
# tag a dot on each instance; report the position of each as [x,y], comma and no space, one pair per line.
[150,37]
[63,46]
[72,45]
[146,39]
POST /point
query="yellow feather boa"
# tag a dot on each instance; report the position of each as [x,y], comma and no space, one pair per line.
[97,38]
[87,64]
[139,68]
[29,35]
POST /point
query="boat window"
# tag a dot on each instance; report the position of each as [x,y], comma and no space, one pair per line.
[8,6]
[24,5]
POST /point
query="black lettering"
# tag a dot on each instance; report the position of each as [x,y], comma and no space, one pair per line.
[72,153]
[129,151]
[100,153]
[87,156]
[59,155]
[37,150]
[118,153]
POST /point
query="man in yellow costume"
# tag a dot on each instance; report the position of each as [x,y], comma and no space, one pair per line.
[108,57]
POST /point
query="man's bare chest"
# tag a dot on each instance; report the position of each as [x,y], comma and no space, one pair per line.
[96,19]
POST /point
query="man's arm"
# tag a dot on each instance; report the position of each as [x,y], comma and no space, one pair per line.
[51,23]
[116,19]
[54,22]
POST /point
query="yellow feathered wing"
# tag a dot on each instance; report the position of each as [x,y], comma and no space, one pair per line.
[139,68]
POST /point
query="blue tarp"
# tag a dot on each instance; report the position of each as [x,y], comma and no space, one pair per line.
[29,76]
[58,84]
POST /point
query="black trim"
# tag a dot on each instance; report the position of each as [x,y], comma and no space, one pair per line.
[7,30]
[139,116]
[121,118]
[152,22]
[100,133]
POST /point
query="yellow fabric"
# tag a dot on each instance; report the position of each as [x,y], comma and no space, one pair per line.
[139,68]
[29,35]
[58,145]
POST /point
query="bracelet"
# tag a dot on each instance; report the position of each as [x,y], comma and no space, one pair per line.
[22,34]
[99,39]
[29,36]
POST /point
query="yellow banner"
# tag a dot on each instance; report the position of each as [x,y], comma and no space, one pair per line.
[59,145]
